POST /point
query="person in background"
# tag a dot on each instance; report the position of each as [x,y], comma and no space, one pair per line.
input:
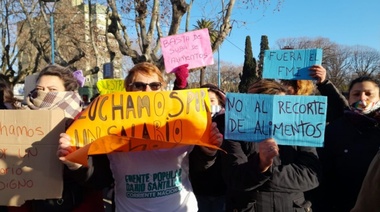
[336,102]
[369,195]
[103,170]
[351,143]
[57,88]
[7,99]
[208,185]
[263,176]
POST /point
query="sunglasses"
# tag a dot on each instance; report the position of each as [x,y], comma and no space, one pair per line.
[154,86]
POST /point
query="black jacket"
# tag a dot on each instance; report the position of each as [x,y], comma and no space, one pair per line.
[351,142]
[281,188]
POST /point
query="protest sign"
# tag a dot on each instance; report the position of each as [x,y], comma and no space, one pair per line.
[139,121]
[291,64]
[291,120]
[106,86]
[29,167]
[193,48]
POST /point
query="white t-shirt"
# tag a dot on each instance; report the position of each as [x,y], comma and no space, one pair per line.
[156,180]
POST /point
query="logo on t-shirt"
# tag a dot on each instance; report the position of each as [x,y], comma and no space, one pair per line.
[154,185]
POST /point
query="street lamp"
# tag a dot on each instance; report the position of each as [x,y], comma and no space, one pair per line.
[51,27]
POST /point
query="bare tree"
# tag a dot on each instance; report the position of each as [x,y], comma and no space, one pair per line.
[341,62]
[364,61]
[10,44]
[149,19]
[229,74]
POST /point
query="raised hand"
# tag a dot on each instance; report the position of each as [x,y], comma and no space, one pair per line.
[216,138]
[318,72]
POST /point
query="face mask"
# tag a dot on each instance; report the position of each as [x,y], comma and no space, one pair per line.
[365,107]
[215,109]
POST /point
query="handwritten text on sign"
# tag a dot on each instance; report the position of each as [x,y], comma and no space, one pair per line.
[291,120]
[106,86]
[28,161]
[179,117]
[193,48]
[290,63]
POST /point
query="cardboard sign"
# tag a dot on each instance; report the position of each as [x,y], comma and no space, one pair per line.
[139,121]
[29,167]
[193,48]
[291,64]
[106,86]
[291,120]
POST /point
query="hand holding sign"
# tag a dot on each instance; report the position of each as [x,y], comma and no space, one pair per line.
[291,64]
[181,75]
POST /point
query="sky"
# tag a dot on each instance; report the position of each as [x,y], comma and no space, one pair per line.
[345,22]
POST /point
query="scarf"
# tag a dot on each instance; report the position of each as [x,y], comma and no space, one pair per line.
[69,101]
[365,107]
[364,115]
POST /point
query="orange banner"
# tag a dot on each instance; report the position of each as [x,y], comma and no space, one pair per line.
[139,121]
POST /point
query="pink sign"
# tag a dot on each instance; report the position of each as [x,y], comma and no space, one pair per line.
[193,48]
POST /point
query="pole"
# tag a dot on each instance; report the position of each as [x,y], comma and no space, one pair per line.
[52,37]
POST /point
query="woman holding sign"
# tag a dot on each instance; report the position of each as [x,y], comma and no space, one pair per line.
[57,88]
[263,176]
[351,143]
[153,180]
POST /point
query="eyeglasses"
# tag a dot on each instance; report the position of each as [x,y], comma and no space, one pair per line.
[142,86]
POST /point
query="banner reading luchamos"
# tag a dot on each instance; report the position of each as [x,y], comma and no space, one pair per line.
[138,121]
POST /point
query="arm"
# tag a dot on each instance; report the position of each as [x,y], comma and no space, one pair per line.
[336,102]
[97,174]
[241,166]
[201,157]
[297,169]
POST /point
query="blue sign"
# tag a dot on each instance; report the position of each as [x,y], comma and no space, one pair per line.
[290,120]
[291,64]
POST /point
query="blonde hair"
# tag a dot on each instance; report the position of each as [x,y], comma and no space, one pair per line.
[301,87]
[144,68]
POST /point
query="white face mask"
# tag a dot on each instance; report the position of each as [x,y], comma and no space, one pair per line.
[215,109]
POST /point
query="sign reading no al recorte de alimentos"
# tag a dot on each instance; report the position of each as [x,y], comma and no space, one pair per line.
[291,120]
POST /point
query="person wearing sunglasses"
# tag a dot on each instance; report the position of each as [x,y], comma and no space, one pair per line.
[122,169]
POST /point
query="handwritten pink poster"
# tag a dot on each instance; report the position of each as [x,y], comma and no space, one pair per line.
[193,48]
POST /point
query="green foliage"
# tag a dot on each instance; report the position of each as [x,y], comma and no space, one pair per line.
[249,68]
[264,45]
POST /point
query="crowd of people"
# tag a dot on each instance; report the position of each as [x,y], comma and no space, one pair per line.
[260,176]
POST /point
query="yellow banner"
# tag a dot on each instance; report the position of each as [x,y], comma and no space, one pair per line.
[139,121]
[106,86]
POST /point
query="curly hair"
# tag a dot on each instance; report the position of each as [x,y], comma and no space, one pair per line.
[144,68]
[64,73]
[301,87]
